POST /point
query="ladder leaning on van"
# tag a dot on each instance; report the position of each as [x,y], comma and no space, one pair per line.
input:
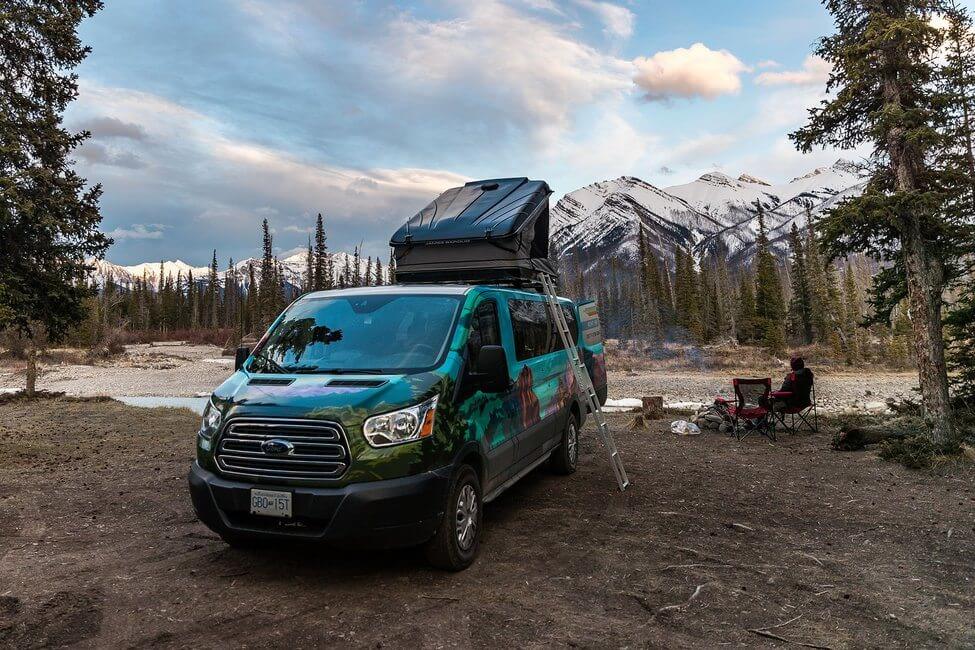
[583,380]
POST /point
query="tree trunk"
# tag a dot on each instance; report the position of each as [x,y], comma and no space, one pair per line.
[925,278]
[31,388]
[924,281]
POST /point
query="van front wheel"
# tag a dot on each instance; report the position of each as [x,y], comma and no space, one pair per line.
[566,456]
[457,541]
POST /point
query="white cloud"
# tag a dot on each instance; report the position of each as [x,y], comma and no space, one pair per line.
[768,63]
[138,231]
[222,182]
[612,146]
[697,71]
[815,72]
[517,65]
[617,21]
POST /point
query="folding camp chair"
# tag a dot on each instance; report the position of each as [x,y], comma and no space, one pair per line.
[752,412]
[805,413]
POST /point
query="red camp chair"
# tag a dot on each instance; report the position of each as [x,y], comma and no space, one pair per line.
[751,412]
[804,414]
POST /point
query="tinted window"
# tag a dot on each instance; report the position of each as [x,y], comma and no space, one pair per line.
[533,332]
[570,318]
[484,329]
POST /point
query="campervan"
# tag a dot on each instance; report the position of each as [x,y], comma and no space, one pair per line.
[389,416]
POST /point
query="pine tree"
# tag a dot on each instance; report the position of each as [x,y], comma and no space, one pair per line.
[380,276]
[852,314]
[800,305]
[746,310]
[957,83]
[231,296]
[213,289]
[49,215]
[253,310]
[308,282]
[648,300]
[323,261]
[769,307]
[267,284]
[356,279]
[884,95]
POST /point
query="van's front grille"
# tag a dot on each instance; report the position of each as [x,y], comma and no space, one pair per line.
[303,450]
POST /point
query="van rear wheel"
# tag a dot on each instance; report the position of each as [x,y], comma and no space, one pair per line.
[458,538]
[566,457]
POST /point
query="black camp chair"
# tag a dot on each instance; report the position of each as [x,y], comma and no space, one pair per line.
[802,410]
[751,412]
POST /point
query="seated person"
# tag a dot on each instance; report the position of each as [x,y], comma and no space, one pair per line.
[796,388]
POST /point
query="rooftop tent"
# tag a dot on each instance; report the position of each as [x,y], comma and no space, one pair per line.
[486,231]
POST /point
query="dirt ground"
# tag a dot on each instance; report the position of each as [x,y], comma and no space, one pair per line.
[99,547]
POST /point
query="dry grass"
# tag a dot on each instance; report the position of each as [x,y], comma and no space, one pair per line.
[220,336]
[637,356]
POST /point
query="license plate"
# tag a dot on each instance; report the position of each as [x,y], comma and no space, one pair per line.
[270,503]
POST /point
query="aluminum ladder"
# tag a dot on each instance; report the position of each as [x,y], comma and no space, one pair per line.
[583,380]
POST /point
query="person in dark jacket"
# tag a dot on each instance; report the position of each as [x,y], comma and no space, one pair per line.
[796,387]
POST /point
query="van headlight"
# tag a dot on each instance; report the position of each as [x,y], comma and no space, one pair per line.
[211,421]
[401,426]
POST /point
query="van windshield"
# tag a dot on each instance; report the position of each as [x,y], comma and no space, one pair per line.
[375,333]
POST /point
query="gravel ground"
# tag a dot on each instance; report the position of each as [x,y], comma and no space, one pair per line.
[180,370]
[158,369]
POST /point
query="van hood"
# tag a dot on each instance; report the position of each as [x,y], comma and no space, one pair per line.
[348,399]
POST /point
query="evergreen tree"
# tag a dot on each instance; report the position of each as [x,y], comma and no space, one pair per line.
[852,314]
[884,95]
[769,307]
[253,310]
[48,217]
[267,284]
[231,296]
[194,319]
[213,288]
[308,281]
[323,261]
[380,277]
[356,279]
[800,305]
[746,310]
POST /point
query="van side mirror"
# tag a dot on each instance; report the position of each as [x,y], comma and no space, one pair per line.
[492,369]
[240,356]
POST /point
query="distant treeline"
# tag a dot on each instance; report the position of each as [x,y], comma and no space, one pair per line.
[178,304]
[775,303]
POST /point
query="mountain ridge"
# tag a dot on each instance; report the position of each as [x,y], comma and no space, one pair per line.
[716,211]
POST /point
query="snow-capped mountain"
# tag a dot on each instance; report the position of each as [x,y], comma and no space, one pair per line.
[293,268]
[601,221]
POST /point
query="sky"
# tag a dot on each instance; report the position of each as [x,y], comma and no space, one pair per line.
[207,117]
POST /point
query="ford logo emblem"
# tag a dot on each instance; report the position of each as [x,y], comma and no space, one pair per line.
[277,447]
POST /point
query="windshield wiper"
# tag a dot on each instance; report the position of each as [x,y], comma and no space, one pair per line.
[269,363]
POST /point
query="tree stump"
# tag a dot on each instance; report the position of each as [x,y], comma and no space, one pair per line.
[653,407]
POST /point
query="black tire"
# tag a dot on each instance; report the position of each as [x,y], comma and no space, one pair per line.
[452,548]
[565,458]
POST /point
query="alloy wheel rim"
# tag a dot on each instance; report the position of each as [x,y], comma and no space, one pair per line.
[466,517]
[572,444]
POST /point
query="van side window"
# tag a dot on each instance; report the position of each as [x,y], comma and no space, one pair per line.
[484,329]
[570,318]
[532,329]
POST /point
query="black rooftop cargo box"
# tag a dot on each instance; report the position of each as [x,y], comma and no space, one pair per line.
[486,231]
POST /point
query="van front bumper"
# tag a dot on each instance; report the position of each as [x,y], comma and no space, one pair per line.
[378,514]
